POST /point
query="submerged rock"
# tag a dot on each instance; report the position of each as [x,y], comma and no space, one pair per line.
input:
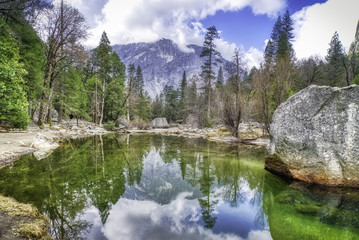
[315,136]
[160,123]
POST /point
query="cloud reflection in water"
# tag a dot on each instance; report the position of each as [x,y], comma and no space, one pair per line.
[180,219]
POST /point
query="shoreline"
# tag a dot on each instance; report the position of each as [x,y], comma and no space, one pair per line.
[42,142]
[15,144]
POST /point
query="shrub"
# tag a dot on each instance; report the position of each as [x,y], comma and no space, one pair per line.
[110,126]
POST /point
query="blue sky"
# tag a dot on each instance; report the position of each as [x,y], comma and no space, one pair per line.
[245,28]
[244,24]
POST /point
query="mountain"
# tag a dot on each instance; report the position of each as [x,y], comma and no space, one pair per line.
[354,47]
[162,62]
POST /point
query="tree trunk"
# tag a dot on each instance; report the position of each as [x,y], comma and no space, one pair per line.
[61,109]
[209,101]
[96,106]
[49,115]
[102,102]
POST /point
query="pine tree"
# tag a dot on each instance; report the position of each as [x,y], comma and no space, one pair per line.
[103,59]
[286,36]
[213,57]
[183,85]
[13,104]
[280,44]
[283,47]
[144,106]
[115,95]
[157,106]
[275,35]
[335,61]
[75,100]
[269,53]
[131,89]
[139,80]
[287,27]
[220,78]
[171,103]
[183,96]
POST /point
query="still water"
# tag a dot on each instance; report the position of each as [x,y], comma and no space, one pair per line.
[157,187]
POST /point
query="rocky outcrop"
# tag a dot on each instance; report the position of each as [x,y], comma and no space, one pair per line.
[315,136]
[160,123]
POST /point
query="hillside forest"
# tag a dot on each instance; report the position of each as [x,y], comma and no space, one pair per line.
[44,66]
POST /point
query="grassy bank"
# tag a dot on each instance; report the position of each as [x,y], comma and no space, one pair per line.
[21,220]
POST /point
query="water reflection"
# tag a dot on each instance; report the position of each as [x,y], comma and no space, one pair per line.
[180,219]
[155,187]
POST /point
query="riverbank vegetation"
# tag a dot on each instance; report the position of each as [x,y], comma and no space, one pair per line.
[45,68]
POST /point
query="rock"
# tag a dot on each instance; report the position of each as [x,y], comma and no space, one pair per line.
[54,115]
[75,128]
[43,142]
[315,136]
[55,128]
[160,123]
[33,126]
[121,122]
[39,155]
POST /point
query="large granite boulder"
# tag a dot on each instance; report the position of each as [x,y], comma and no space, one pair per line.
[121,122]
[315,136]
[160,123]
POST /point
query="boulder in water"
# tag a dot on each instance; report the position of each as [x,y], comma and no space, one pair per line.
[315,136]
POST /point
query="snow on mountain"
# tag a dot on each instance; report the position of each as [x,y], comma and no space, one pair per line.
[162,62]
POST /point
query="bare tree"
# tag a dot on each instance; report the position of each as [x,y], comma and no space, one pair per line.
[60,27]
[263,86]
[231,99]
[283,76]
[16,10]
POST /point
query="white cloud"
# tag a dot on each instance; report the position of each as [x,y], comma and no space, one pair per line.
[179,20]
[253,57]
[315,26]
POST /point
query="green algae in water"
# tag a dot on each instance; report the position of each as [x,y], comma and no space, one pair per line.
[157,187]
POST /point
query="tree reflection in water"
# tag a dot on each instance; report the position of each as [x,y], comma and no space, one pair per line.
[100,173]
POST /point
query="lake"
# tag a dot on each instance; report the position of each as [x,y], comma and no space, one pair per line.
[162,187]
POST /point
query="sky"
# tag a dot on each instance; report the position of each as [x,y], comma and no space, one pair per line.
[243,24]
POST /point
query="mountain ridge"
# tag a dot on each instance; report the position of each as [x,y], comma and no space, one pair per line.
[162,62]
